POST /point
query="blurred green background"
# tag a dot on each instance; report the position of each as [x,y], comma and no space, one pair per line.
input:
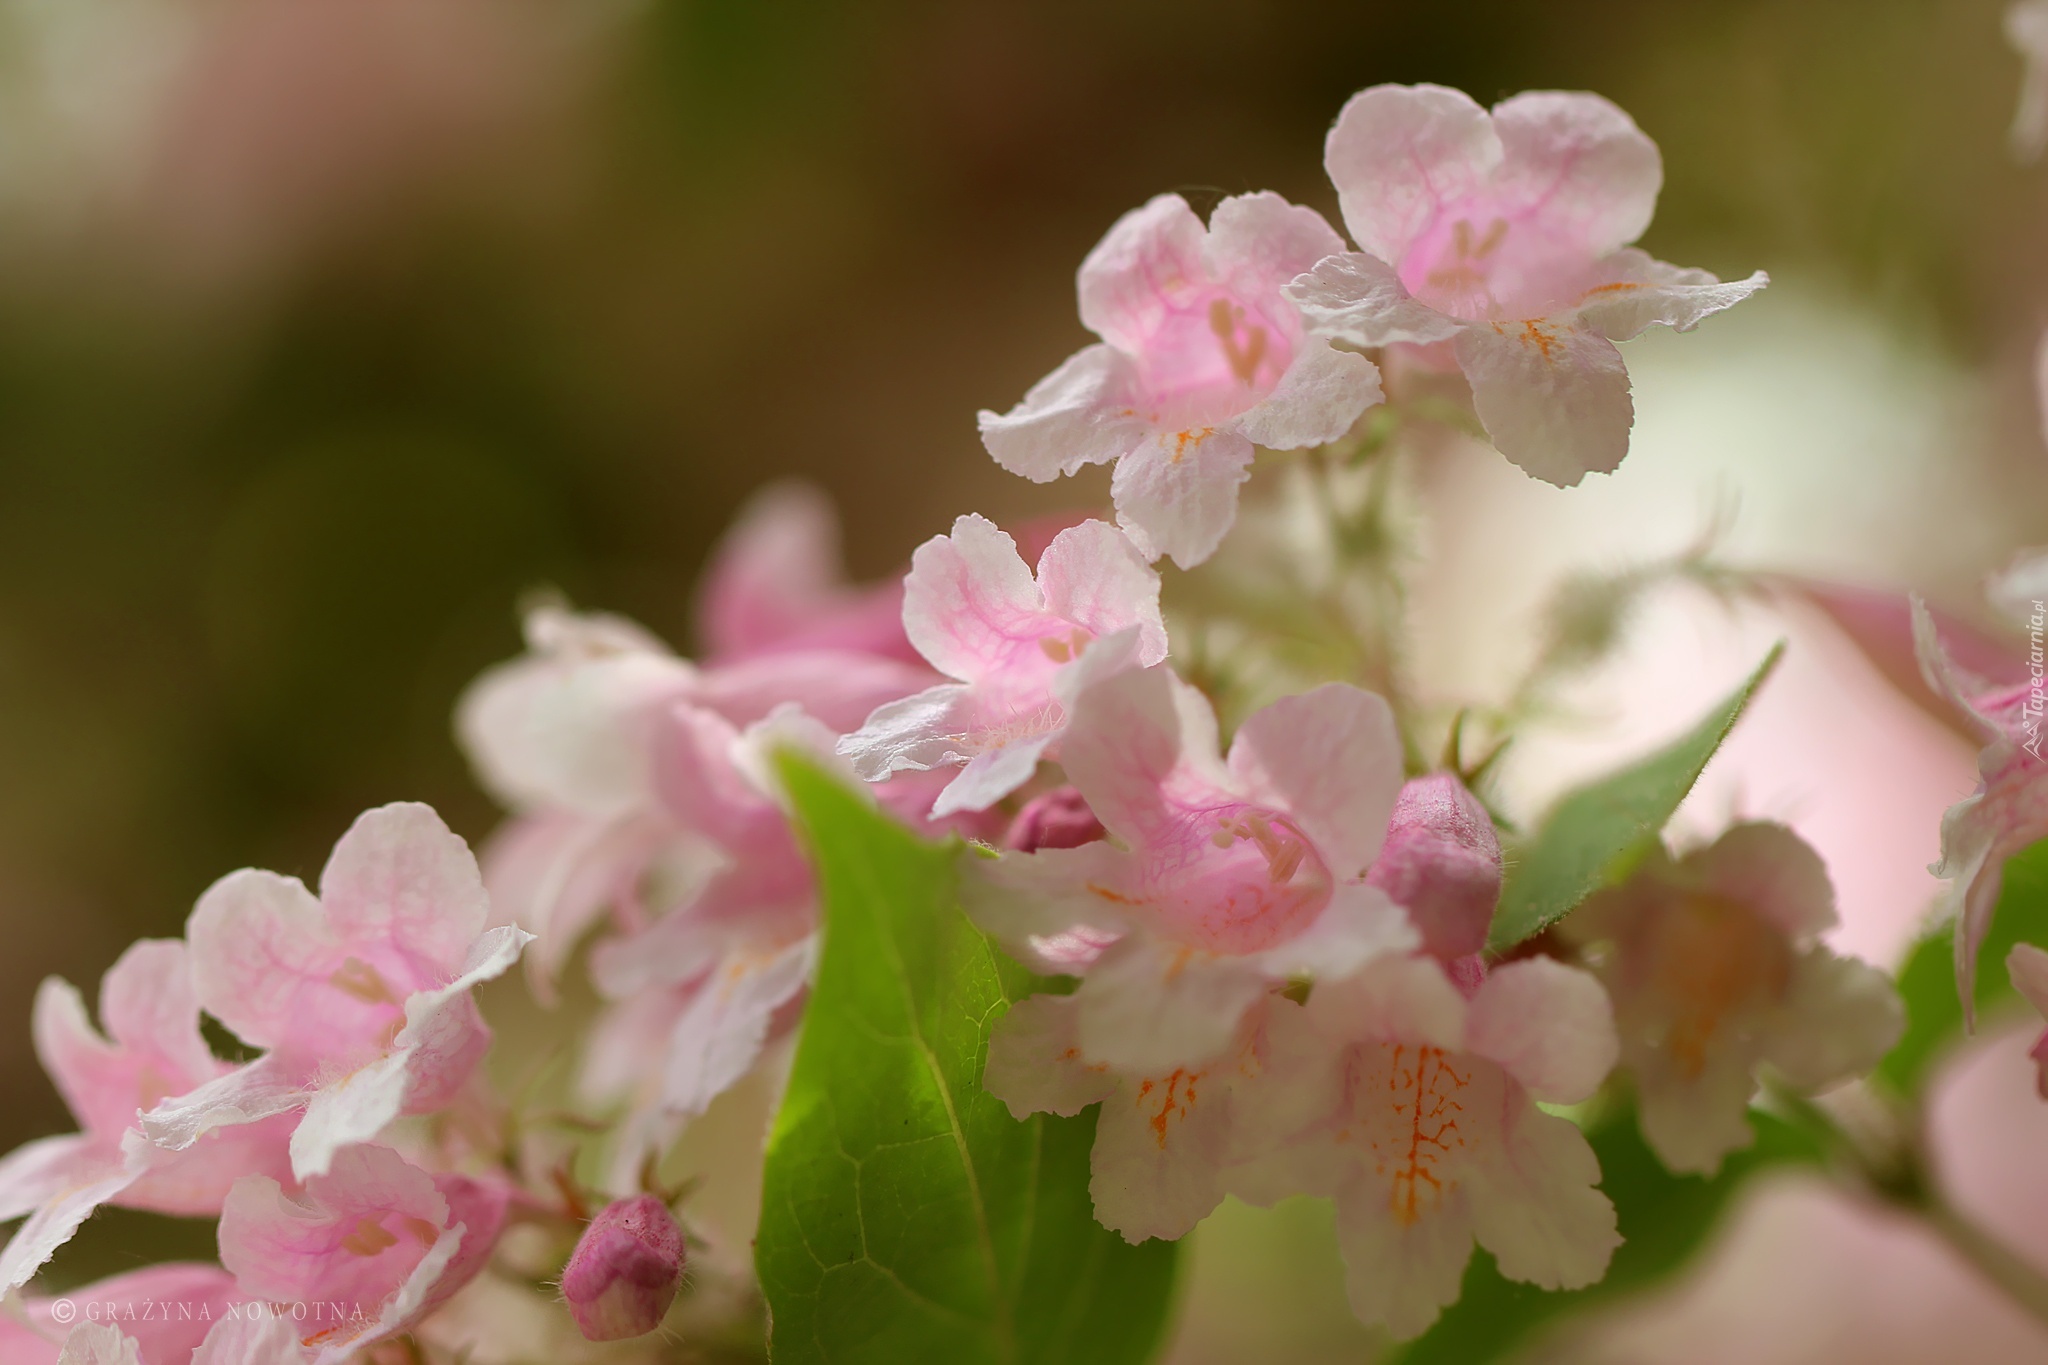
[328,328]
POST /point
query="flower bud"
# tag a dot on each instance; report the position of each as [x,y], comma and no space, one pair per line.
[1059,818]
[1441,862]
[625,1270]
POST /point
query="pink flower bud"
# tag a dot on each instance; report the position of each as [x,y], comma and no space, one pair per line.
[1058,819]
[1442,862]
[624,1272]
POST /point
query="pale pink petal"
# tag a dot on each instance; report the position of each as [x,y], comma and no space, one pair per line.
[38,1170]
[1319,397]
[192,1182]
[1132,737]
[99,1082]
[1035,1064]
[1021,899]
[1638,292]
[1359,924]
[90,1180]
[775,582]
[255,938]
[920,733]
[837,686]
[719,1036]
[1126,281]
[1160,1143]
[250,1093]
[350,1109]
[1148,1006]
[970,599]
[1772,871]
[1554,398]
[1537,1209]
[1577,168]
[1359,298]
[1258,242]
[992,775]
[99,1343]
[1082,413]
[1177,494]
[1399,154]
[1548,1025]
[401,876]
[1840,1017]
[2027,965]
[256,1337]
[1331,759]
[556,874]
[1403,1275]
[1392,999]
[1093,576]
[149,1006]
[192,1298]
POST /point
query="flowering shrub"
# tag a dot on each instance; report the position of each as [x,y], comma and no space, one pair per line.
[1042,968]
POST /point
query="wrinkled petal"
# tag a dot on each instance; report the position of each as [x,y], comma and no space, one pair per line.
[1539,1213]
[1331,758]
[248,1094]
[1177,495]
[1400,1275]
[1093,576]
[1359,298]
[1398,154]
[917,734]
[1565,1059]
[1081,414]
[1554,398]
[1317,400]
[1640,292]
[992,775]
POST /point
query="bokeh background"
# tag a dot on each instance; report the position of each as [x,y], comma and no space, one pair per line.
[331,328]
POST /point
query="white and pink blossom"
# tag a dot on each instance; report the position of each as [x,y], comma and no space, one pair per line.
[1202,360]
[1018,648]
[360,995]
[1715,967]
[1500,240]
[1415,1108]
[373,1232]
[152,1050]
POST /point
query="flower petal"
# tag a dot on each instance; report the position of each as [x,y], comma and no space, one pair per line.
[1160,1145]
[1548,1025]
[1576,167]
[1080,414]
[1331,759]
[1035,1064]
[1258,242]
[1147,1006]
[1093,576]
[1400,1275]
[1359,298]
[969,599]
[1539,1213]
[1176,495]
[1125,280]
[1554,398]
[1774,872]
[1316,401]
[1398,154]
[401,875]
[719,1036]
[1640,292]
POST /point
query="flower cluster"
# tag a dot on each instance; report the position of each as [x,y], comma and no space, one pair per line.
[1284,978]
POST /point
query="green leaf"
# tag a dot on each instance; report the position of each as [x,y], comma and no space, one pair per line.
[1664,1219]
[905,1215]
[1927,983]
[1595,833]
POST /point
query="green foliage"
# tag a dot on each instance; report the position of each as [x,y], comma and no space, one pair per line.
[1927,983]
[1664,1218]
[906,1217]
[1596,832]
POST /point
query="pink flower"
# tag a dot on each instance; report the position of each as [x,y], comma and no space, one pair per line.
[165,1309]
[2027,965]
[1226,878]
[149,1007]
[775,585]
[1059,818]
[1019,649]
[361,995]
[2009,809]
[1441,863]
[1201,360]
[625,1270]
[1505,237]
[1715,968]
[375,1237]
[1416,1109]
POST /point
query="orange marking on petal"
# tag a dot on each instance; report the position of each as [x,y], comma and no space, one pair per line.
[367,1238]
[1615,287]
[1179,1099]
[1114,897]
[1533,331]
[1421,1096]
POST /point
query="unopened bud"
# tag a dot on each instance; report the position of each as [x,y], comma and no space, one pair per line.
[1442,862]
[1059,818]
[625,1270]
